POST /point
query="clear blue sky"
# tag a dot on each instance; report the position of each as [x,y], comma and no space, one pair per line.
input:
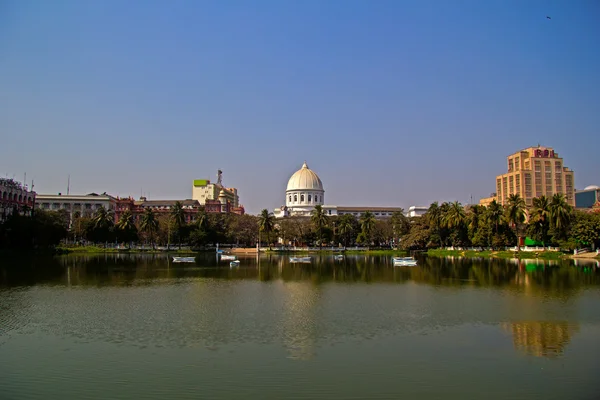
[392,103]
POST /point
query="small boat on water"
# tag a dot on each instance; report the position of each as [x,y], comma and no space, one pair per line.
[300,259]
[227,257]
[184,259]
[404,261]
[339,257]
[235,263]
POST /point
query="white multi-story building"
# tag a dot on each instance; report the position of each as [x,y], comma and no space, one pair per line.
[76,205]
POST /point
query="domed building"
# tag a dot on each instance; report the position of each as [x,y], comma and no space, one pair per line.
[304,191]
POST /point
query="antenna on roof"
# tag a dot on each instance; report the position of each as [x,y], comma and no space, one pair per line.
[68,184]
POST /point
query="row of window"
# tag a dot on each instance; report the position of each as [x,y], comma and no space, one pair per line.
[302,198]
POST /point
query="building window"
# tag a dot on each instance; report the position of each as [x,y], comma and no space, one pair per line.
[290,199]
[301,198]
[295,198]
[309,198]
[329,212]
[316,198]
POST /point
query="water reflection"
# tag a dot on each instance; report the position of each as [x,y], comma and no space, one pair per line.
[541,339]
[299,316]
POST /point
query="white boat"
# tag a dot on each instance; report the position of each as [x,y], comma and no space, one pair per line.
[404,261]
[235,263]
[227,257]
[184,259]
[300,259]
[339,257]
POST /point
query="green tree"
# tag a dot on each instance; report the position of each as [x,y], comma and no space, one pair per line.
[400,225]
[347,228]
[126,229]
[266,224]
[454,220]
[539,221]
[515,215]
[560,216]
[433,217]
[367,223]
[102,224]
[178,216]
[319,221]
[150,224]
[586,229]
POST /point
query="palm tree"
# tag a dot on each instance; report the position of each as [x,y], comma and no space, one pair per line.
[102,222]
[540,218]
[126,225]
[560,212]
[434,219]
[201,218]
[515,214]
[266,224]
[455,217]
[367,223]
[319,220]
[178,215]
[345,227]
[149,224]
[400,225]
[494,214]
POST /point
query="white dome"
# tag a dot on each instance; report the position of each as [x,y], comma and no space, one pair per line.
[592,187]
[305,179]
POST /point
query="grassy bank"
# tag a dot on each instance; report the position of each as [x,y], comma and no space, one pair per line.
[97,250]
[545,255]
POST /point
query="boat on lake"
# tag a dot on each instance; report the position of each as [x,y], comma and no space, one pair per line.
[184,259]
[339,257]
[404,261]
[235,263]
[300,259]
[227,257]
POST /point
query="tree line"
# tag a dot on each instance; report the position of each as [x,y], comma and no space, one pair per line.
[550,221]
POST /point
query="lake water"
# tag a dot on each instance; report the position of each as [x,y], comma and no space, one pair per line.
[141,327]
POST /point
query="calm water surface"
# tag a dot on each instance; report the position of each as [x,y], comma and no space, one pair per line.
[127,326]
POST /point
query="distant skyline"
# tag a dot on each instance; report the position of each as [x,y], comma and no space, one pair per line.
[392,103]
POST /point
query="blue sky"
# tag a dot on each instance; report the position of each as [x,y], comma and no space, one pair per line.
[392,103]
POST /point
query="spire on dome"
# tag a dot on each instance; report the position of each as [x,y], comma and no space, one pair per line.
[304,165]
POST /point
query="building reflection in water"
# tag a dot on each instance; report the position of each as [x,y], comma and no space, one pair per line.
[299,326]
[541,339]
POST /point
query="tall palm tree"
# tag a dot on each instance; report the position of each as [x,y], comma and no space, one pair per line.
[103,219]
[319,220]
[345,228]
[400,225]
[102,222]
[494,214]
[126,225]
[178,215]
[367,223]
[540,216]
[266,224]
[149,224]
[515,214]
[201,218]
[434,219]
[455,216]
[560,212]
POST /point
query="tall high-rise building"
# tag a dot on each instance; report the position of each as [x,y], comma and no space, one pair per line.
[534,172]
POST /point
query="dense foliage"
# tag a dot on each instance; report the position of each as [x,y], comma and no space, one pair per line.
[550,221]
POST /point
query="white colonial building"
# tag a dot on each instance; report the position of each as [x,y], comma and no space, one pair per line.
[305,191]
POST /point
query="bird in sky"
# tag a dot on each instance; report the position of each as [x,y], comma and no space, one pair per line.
[548,17]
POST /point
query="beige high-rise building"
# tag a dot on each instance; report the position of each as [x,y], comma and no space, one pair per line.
[534,172]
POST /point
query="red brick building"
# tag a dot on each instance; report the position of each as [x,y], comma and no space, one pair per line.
[14,196]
